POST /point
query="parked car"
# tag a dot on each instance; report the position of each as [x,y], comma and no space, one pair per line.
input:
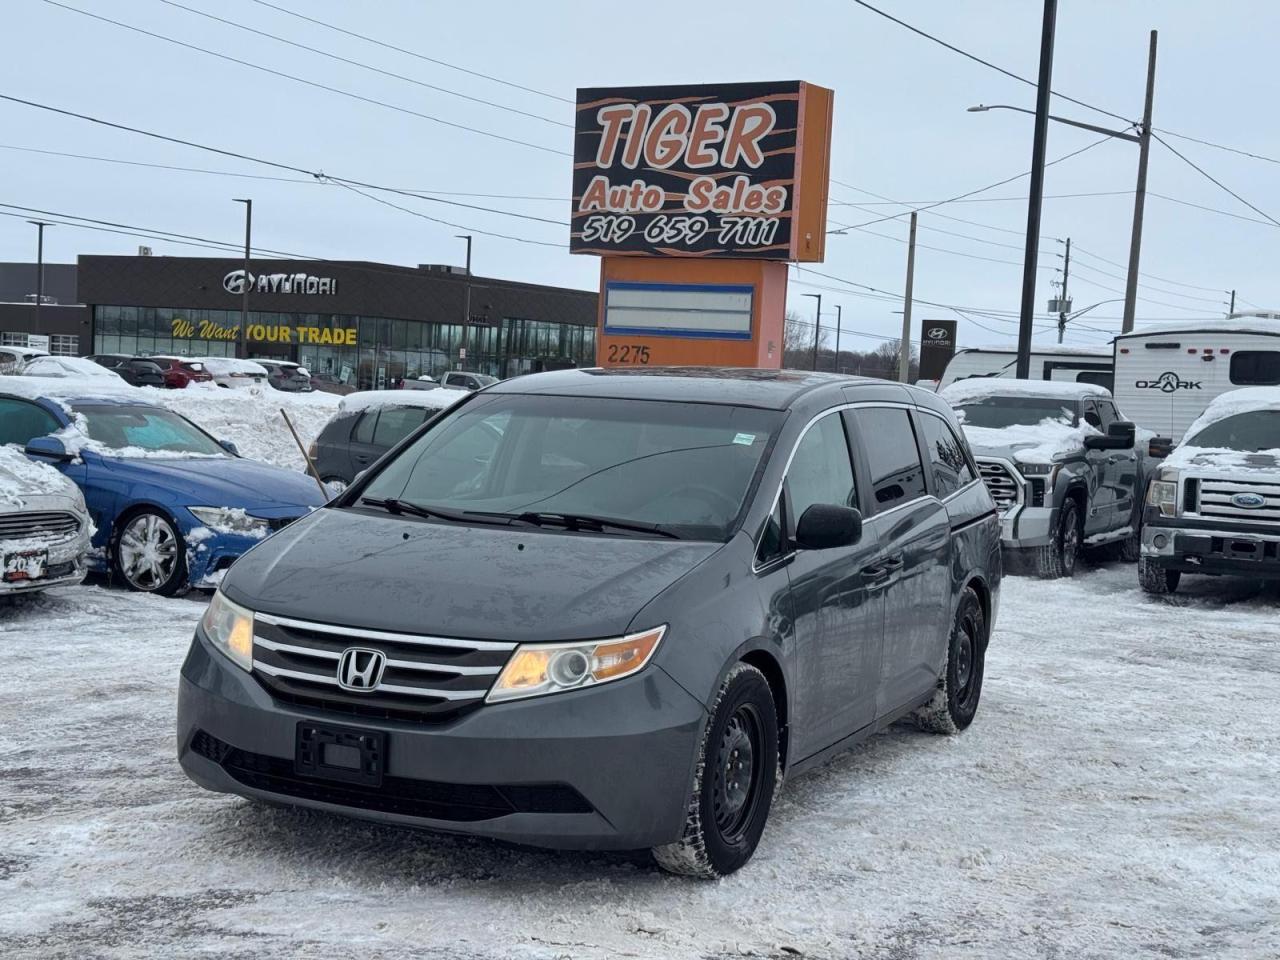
[181,371]
[44,524]
[329,383]
[231,372]
[366,426]
[13,358]
[287,376]
[1062,464]
[1214,507]
[1067,364]
[423,382]
[135,371]
[173,507]
[606,609]
[461,380]
[68,368]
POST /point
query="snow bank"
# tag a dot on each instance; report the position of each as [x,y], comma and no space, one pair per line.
[1040,443]
[977,388]
[428,399]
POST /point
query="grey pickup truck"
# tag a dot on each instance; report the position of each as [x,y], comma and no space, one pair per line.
[1062,465]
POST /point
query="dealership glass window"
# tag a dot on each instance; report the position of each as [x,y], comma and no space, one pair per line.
[1257,368]
[64,345]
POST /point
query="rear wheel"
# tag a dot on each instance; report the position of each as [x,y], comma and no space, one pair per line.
[956,701]
[734,782]
[1156,580]
[149,555]
[1059,557]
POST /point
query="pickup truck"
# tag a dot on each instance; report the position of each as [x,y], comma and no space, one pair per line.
[1060,462]
[1214,505]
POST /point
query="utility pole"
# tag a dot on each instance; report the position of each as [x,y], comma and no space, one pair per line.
[39,225]
[1039,144]
[1232,308]
[904,347]
[817,327]
[1062,297]
[1140,194]
[466,307]
[242,341]
[835,366]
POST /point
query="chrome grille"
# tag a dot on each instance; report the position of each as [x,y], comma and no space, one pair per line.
[1000,483]
[42,524]
[425,677]
[1216,500]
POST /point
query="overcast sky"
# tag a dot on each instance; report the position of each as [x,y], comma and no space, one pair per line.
[901,131]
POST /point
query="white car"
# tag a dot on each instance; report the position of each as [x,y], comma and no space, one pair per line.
[230,372]
[12,358]
[68,368]
[44,526]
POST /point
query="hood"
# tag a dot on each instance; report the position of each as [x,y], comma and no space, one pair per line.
[1227,464]
[259,488]
[23,481]
[473,582]
[1037,443]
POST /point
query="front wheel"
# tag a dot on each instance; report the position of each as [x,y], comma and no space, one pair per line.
[1059,557]
[149,554]
[734,781]
[1156,580]
[956,700]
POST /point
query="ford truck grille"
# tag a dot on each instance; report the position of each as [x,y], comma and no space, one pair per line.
[44,524]
[1236,499]
[425,678]
[1000,483]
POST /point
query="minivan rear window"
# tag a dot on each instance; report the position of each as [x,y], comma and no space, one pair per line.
[688,468]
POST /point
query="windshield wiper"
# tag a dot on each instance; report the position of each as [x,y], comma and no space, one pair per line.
[398,507]
[583,521]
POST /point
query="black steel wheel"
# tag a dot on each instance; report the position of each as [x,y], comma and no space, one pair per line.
[955,702]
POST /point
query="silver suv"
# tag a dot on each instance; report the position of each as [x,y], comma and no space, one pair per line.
[44,526]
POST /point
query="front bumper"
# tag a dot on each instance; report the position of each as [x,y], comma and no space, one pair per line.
[1213,550]
[1023,526]
[66,565]
[627,748]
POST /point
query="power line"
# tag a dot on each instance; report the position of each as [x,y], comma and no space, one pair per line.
[1147,286]
[411,53]
[1211,178]
[1216,146]
[1142,273]
[309,83]
[1207,209]
[362,65]
[920,204]
[1162,303]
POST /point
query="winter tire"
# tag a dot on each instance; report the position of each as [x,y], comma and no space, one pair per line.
[733,784]
[149,555]
[1059,557]
[1156,580]
[956,701]
[1131,546]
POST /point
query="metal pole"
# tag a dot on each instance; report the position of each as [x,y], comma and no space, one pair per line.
[1062,299]
[835,366]
[1038,146]
[466,309]
[1232,308]
[817,330]
[904,347]
[242,341]
[39,225]
[1140,194]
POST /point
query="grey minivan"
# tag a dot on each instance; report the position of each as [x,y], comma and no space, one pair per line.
[606,609]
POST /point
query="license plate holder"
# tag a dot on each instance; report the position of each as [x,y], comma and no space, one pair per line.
[345,754]
[24,565]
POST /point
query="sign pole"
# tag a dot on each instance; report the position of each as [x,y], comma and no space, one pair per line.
[904,347]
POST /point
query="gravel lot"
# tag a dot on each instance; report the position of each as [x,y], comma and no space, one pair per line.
[1116,797]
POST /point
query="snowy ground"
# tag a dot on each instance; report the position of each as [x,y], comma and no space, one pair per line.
[1117,797]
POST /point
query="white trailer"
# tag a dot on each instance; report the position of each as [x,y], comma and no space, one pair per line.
[1070,364]
[1166,375]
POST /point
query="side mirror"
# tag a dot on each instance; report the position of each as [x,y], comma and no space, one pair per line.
[1123,430]
[827,525]
[1159,447]
[51,448]
[230,447]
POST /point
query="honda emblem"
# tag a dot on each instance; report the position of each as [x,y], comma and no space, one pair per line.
[360,669]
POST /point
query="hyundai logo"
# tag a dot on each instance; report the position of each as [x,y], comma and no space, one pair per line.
[234,282]
[1249,501]
[360,669]
[938,333]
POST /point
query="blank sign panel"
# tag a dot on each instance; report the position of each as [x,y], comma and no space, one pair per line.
[712,311]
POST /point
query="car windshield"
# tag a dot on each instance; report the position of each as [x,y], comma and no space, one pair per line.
[129,429]
[685,468]
[1014,411]
[1249,432]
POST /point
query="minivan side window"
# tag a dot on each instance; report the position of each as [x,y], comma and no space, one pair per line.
[363,433]
[821,471]
[1256,368]
[20,422]
[773,541]
[947,460]
[886,434]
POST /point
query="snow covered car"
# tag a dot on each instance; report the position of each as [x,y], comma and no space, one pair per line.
[230,372]
[68,368]
[173,506]
[653,596]
[461,380]
[12,358]
[44,524]
[1214,506]
[287,376]
[370,423]
[1061,463]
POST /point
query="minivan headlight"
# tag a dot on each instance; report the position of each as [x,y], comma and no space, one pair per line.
[538,668]
[229,627]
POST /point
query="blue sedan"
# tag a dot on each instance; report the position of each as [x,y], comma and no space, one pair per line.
[173,506]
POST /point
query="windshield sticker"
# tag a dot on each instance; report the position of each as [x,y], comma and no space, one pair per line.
[746,439]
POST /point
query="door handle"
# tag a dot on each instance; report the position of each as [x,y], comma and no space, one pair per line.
[361,458]
[894,564]
[875,573]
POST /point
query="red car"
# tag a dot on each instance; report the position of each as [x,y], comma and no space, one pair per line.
[179,372]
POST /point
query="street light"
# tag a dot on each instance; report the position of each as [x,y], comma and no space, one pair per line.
[817,326]
[466,309]
[39,225]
